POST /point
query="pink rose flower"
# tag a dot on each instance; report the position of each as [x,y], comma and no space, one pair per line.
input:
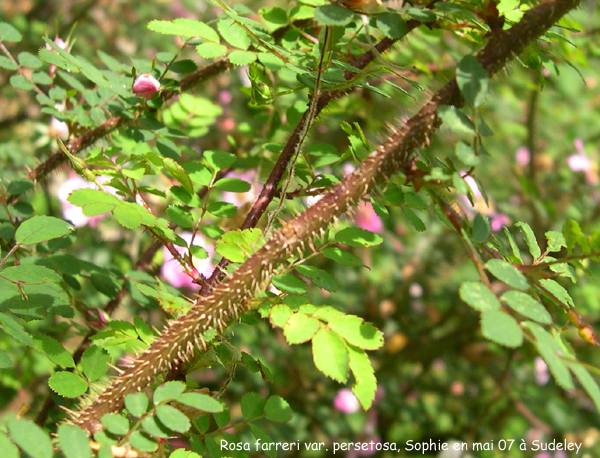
[346,402]
[172,270]
[145,86]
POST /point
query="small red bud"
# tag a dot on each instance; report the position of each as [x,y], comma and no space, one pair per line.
[145,86]
[587,333]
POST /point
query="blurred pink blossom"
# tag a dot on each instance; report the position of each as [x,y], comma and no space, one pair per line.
[541,371]
[580,162]
[71,212]
[498,221]
[522,156]
[346,402]
[172,270]
[367,219]
[145,86]
[58,129]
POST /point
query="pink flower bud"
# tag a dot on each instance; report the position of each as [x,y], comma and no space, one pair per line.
[145,86]
[346,402]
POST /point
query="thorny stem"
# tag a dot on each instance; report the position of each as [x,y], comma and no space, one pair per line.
[183,338]
[270,189]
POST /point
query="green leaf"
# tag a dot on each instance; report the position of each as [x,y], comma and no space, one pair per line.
[32,439]
[8,64]
[142,442]
[478,296]
[67,384]
[94,362]
[222,209]
[501,328]
[413,219]
[198,173]
[41,78]
[300,328]
[357,333]
[9,450]
[587,381]
[127,215]
[330,355]
[15,330]
[265,438]
[555,241]
[530,239]
[53,350]
[115,423]
[574,237]
[334,15]
[557,292]
[342,257]
[481,228]
[472,81]
[253,406]
[20,82]
[392,25]
[180,216]
[238,245]
[200,401]
[289,284]
[211,50]
[30,274]
[513,245]
[456,121]
[173,418]
[318,276]
[214,450]
[527,306]
[183,66]
[232,185]
[73,441]
[240,58]
[179,174]
[56,59]
[9,33]
[218,160]
[233,33]
[19,186]
[277,409]
[168,391]
[507,273]
[155,427]
[354,236]
[26,59]
[137,404]
[279,314]
[185,28]
[41,228]
[551,352]
[466,154]
[365,385]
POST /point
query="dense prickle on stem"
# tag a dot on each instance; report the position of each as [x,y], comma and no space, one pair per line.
[228,300]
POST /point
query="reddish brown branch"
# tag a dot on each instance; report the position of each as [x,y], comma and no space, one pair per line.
[91,136]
